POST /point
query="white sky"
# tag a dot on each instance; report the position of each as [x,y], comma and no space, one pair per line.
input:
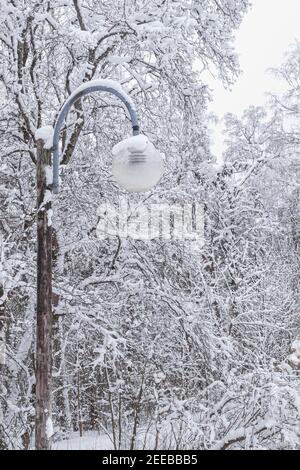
[264,36]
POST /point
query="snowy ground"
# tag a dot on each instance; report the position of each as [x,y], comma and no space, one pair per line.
[146,439]
[91,440]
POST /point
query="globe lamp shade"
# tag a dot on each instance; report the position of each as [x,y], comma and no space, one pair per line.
[137,166]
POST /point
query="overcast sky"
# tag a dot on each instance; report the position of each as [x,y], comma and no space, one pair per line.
[265,34]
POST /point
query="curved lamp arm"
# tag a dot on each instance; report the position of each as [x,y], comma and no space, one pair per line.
[108,86]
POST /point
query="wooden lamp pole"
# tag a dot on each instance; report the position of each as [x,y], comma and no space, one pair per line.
[43,423]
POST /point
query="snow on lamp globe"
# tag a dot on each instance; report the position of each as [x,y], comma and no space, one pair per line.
[137,166]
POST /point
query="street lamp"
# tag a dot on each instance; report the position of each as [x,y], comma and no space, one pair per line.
[137,166]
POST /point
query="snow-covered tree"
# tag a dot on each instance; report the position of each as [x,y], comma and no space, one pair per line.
[161,343]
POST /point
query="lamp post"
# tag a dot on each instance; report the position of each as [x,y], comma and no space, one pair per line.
[137,166]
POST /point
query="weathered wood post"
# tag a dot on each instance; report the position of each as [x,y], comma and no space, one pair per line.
[43,421]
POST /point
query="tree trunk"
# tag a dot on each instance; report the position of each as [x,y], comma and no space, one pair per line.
[43,423]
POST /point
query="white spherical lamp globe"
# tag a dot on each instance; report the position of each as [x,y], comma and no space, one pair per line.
[137,166]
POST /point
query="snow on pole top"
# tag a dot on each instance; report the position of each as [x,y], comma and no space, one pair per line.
[46,134]
[112,84]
